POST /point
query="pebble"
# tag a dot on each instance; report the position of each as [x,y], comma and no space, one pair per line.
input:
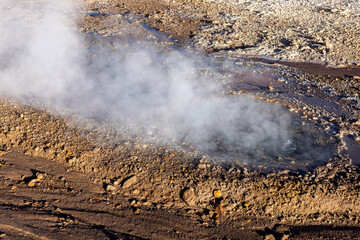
[39,176]
[117,182]
[202,166]
[270,237]
[188,195]
[285,237]
[110,188]
[217,193]
[129,181]
[32,183]
[136,191]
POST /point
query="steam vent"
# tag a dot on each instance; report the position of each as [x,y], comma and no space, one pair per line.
[174,119]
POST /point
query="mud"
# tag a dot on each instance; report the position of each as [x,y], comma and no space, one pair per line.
[67,177]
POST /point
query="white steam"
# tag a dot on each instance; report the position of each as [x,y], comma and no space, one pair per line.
[43,58]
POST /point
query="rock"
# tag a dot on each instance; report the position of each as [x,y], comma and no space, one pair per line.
[133,202]
[188,195]
[110,188]
[39,176]
[32,183]
[285,237]
[202,166]
[217,193]
[136,191]
[230,207]
[270,237]
[129,181]
[117,182]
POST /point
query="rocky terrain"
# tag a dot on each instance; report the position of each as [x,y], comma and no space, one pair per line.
[65,176]
[324,32]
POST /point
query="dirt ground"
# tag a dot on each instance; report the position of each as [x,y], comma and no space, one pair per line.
[313,31]
[61,177]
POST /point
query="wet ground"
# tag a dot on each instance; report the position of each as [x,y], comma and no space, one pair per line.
[93,179]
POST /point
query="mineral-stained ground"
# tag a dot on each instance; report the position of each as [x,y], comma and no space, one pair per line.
[65,177]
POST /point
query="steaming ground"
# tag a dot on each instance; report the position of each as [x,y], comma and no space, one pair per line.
[150,141]
[156,93]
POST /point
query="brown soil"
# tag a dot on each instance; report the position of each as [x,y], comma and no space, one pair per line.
[64,204]
[59,180]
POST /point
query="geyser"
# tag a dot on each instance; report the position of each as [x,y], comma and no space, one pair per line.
[43,60]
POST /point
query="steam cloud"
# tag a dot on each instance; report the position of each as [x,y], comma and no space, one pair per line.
[42,58]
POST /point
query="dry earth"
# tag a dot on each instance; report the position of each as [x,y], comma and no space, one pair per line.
[60,180]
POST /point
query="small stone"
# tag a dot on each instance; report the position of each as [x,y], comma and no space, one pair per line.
[58,210]
[217,193]
[39,176]
[230,207]
[110,188]
[270,237]
[32,183]
[133,202]
[117,182]
[129,181]
[188,195]
[190,211]
[285,237]
[202,166]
